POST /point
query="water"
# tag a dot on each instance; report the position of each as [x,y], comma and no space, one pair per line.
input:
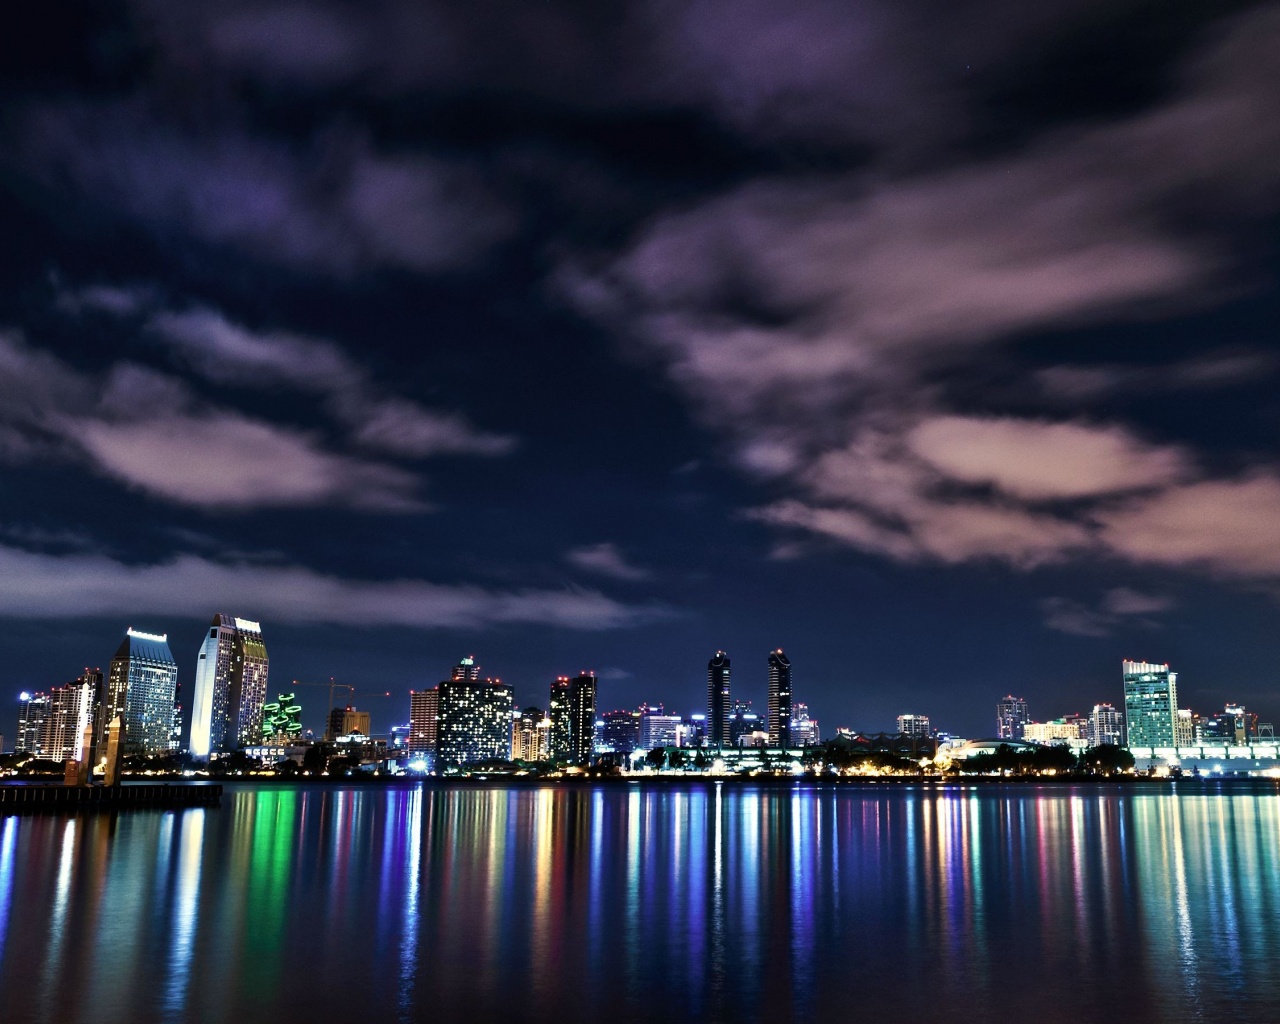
[649,903]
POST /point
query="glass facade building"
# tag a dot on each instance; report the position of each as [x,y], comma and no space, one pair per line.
[719,702]
[142,687]
[231,687]
[1106,725]
[33,714]
[779,699]
[1150,704]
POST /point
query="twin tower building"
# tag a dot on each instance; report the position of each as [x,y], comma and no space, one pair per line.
[720,706]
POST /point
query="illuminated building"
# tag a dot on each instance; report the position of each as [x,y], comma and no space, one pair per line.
[743,723]
[142,683]
[1184,727]
[1106,725]
[475,718]
[424,721]
[400,737]
[1011,716]
[1047,733]
[282,718]
[914,725]
[719,703]
[693,731]
[231,687]
[658,729]
[779,699]
[531,735]
[1150,704]
[33,713]
[621,731]
[71,708]
[573,717]
[1233,725]
[345,722]
[804,730]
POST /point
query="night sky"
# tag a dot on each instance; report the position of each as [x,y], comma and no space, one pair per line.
[934,343]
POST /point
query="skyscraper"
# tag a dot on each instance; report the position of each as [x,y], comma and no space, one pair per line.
[71,708]
[475,717]
[33,713]
[1106,725]
[779,699]
[142,683]
[658,729]
[719,703]
[804,729]
[1150,704]
[424,721]
[572,711]
[345,721]
[231,687]
[1011,717]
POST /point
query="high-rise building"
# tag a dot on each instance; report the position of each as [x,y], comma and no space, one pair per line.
[719,702]
[621,731]
[804,729]
[779,699]
[231,687]
[142,684]
[71,708]
[914,725]
[1011,717]
[572,712]
[424,721]
[475,718]
[531,735]
[33,713]
[1232,725]
[1150,704]
[346,721]
[1106,726]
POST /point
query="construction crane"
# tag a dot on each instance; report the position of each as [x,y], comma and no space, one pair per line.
[352,694]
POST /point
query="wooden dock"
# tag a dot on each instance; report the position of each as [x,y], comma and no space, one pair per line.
[33,799]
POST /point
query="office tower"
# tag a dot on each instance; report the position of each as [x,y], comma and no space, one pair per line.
[231,687]
[693,731]
[400,737]
[71,708]
[530,735]
[345,721]
[424,720]
[474,719]
[33,713]
[719,703]
[559,713]
[779,699]
[582,717]
[621,731]
[804,729]
[742,723]
[1011,716]
[142,683]
[282,718]
[1150,704]
[1184,728]
[1106,725]
[914,725]
[658,729]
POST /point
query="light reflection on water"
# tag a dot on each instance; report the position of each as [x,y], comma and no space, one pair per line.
[636,903]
